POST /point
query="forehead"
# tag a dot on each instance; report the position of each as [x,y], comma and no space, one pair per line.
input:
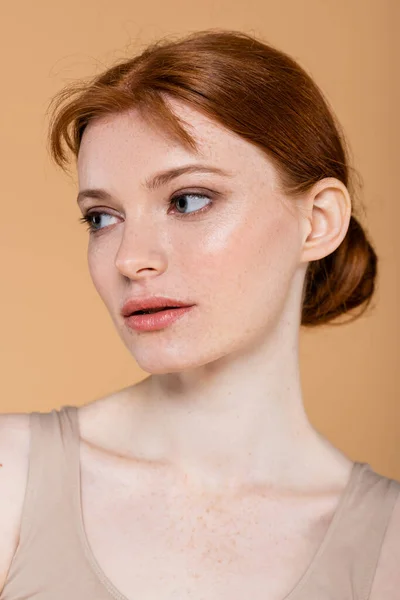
[127,144]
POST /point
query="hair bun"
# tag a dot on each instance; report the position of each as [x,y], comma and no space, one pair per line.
[341,281]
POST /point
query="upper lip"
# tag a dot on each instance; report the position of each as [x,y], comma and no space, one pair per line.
[135,304]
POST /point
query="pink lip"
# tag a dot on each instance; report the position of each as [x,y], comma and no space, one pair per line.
[155,321]
[135,304]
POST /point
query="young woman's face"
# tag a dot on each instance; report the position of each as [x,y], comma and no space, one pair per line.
[231,245]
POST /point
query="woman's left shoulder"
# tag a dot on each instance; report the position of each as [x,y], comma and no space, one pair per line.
[386,582]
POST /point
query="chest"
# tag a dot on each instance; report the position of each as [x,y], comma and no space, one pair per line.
[154,541]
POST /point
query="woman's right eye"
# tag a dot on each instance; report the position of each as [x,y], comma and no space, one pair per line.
[93,219]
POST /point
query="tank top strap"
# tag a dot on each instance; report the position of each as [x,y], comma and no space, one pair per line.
[53,447]
[47,532]
[369,516]
[349,561]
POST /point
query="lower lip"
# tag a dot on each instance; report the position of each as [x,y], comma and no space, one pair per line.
[158,320]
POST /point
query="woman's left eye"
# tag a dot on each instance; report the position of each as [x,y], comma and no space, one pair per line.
[181,199]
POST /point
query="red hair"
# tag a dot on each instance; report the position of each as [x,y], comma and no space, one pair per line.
[262,95]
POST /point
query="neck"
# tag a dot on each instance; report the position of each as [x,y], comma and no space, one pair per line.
[235,422]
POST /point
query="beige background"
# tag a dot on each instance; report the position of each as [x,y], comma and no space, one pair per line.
[58,344]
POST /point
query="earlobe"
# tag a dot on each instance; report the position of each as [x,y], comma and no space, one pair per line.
[329,219]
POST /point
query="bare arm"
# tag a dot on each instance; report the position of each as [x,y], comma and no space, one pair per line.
[14,461]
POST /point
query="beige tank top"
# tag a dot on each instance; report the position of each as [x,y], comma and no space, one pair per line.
[53,560]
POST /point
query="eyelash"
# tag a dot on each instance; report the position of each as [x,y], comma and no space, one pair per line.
[86,219]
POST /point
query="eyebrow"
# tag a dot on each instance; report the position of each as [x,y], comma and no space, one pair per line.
[157,180]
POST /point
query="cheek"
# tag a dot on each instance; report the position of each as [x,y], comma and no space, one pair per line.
[253,258]
[101,270]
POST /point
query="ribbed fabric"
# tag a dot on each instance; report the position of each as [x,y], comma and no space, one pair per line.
[54,561]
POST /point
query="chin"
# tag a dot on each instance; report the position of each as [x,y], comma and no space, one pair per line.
[157,360]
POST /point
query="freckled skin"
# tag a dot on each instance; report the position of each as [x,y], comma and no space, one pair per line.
[227,372]
[208,471]
[235,250]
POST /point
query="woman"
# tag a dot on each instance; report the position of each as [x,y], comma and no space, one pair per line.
[213,177]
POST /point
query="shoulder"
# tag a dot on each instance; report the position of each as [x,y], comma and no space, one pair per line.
[14,464]
[386,583]
[102,421]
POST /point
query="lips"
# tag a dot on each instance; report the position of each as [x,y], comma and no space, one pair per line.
[151,304]
[157,321]
[153,310]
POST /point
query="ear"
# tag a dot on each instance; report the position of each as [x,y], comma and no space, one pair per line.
[328,213]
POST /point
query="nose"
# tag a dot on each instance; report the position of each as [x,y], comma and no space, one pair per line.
[139,254]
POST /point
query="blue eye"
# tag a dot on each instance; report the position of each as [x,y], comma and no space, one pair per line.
[93,218]
[177,199]
[90,217]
